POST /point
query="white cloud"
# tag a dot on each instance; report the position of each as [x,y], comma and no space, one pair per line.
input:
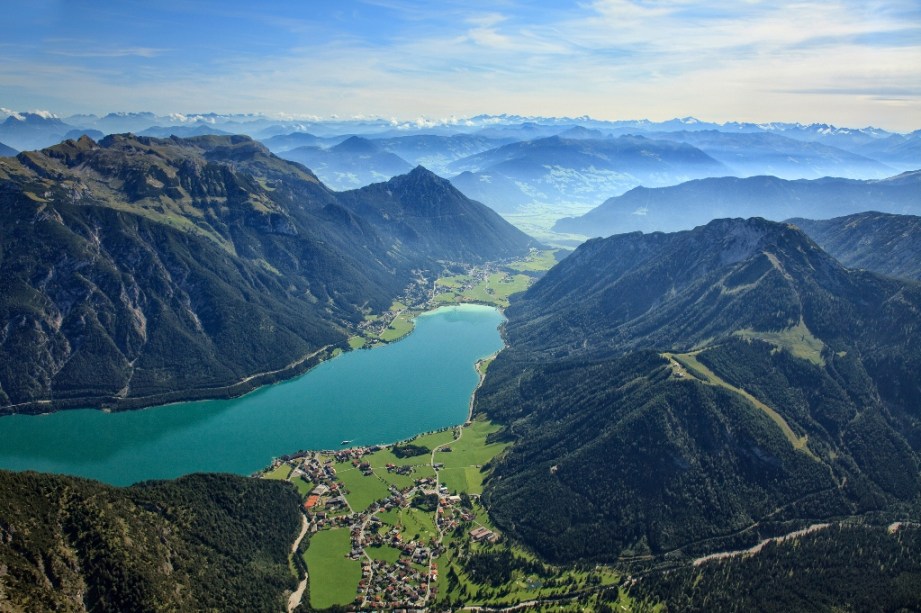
[145,52]
[488,20]
[724,60]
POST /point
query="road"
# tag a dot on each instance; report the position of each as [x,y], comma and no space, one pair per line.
[295,598]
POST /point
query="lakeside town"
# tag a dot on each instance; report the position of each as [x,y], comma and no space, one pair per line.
[402,527]
[407,581]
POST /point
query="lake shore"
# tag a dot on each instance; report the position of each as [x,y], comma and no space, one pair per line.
[422,383]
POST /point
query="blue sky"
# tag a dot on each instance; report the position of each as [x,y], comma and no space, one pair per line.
[846,62]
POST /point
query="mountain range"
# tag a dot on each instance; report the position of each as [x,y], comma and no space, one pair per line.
[684,206]
[557,169]
[767,153]
[665,396]
[353,163]
[678,394]
[33,130]
[138,268]
[569,176]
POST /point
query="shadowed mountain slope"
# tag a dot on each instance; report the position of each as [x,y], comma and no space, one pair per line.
[881,242]
[142,270]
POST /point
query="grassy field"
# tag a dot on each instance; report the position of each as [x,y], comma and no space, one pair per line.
[435,438]
[483,365]
[280,472]
[454,281]
[303,487]
[402,481]
[464,479]
[472,448]
[537,262]
[385,553]
[383,457]
[362,490]
[410,522]
[356,342]
[461,472]
[333,577]
[797,339]
[401,325]
[690,362]
[495,289]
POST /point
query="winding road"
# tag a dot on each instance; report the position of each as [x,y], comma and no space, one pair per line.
[295,598]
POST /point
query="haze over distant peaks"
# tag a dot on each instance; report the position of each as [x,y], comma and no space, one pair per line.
[684,206]
[352,163]
[557,169]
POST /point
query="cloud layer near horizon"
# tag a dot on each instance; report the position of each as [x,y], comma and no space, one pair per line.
[845,62]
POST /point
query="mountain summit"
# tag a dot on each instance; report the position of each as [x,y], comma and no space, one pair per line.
[422,210]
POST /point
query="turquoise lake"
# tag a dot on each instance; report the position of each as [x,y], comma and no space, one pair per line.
[423,382]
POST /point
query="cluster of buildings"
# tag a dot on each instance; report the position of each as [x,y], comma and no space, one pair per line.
[384,585]
[392,586]
[416,293]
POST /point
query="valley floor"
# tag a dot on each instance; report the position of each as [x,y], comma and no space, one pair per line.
[491,283]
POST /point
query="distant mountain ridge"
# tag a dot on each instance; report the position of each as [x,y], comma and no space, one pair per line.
[33,130]
[880,242]
[768,153]
[140,269]
[351,164]
[684,206]
[556,169]
[570,178]
[690,392]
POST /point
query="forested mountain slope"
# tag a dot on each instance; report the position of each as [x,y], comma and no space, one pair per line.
[693,391]
[202,542]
